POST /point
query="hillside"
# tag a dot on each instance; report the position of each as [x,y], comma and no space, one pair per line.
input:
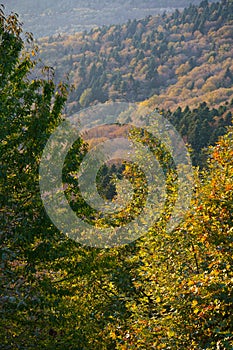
[68,280]
[183,58]
[200,127]
[49,17]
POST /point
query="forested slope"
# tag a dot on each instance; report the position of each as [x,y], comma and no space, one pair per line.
[182,58]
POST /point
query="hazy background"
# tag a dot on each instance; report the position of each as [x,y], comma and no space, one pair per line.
[50,17]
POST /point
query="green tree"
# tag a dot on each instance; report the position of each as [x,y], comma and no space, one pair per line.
[29,111]
[86,98]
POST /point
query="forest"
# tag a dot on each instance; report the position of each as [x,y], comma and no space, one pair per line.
[167,289]
[171,62]
[182,58]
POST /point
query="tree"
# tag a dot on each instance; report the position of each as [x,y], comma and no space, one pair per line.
[29,112]
[86,98]
[183,279]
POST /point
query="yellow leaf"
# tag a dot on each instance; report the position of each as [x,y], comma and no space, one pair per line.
[194,303]
[113,335]
[190,283]
[171,334]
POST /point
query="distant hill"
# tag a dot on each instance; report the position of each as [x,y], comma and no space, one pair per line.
[166,62]
[49,17]
[183,58]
